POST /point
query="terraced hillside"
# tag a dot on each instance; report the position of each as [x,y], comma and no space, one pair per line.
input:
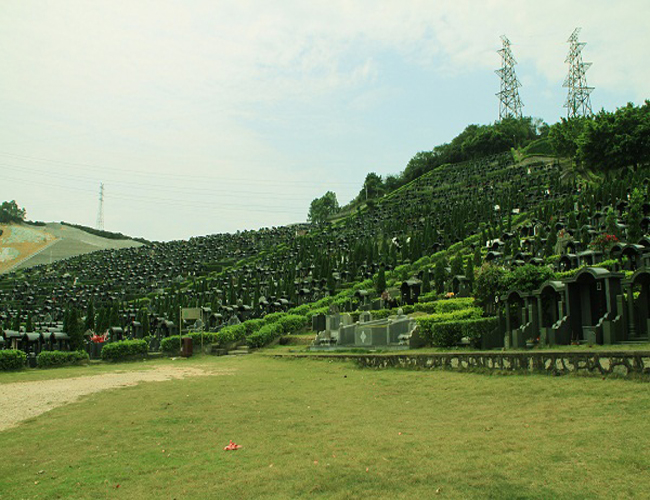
[23,246]
[434,228]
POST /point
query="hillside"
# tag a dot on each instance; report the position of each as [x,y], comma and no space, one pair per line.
[23,246]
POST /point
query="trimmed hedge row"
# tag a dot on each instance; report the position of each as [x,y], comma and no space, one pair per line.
[12,359]
[51,359]
[265,335]
[441,337]
[125,350]
[450,333]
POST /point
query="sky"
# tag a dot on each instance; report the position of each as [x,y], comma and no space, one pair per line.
[204,117]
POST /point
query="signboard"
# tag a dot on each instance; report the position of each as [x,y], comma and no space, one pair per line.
[190,313]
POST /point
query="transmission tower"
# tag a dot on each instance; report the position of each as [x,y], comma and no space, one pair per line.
[578,102]
[100,211]
[509,102]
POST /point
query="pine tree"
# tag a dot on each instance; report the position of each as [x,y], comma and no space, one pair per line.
[29,326]
[457,265]
[634,217]
[90,317]
[426,281]
[469,272]
[380,285]
[440,275]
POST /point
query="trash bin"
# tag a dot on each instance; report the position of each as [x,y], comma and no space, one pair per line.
[187,348]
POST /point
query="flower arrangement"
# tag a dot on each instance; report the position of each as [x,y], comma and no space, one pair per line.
[603,242]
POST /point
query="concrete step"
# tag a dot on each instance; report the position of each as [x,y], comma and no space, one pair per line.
[238,352]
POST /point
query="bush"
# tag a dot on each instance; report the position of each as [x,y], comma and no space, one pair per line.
[446,334]
[50,359]
[303,309]
[475,329]
[443,336]
[170,345]
[445,306]
[252,325]
[124,350]
[229,334]
[292,323]
[265,335]
[12,359]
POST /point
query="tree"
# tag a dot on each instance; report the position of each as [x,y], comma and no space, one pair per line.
[380,285]
[457,265]
[11,212]
[564,136]
[372,187]
[440,275]
[322,208]
[426,281]
[634,217]
[90,317]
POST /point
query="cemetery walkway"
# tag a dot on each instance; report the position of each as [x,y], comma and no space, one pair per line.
[23,400]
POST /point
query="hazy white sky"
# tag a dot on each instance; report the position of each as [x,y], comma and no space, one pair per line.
[211,116]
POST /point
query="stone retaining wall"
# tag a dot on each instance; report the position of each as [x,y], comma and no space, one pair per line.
[620,363]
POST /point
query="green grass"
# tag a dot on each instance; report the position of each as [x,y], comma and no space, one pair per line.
[330,430]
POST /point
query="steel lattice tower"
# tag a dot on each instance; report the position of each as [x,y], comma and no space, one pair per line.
[509,102]
[100,211]
[578,102]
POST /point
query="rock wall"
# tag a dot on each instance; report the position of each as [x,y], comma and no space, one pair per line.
[619,363]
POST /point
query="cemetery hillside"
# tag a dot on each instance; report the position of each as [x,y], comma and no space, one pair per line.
[518,247]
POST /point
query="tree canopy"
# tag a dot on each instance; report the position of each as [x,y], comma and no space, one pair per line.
[322,208]
[11,212]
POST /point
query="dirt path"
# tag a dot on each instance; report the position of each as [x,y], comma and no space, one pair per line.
[22,400]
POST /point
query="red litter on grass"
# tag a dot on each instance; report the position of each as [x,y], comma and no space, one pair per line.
[232,446]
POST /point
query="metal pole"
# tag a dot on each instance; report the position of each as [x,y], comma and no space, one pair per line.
[180,327]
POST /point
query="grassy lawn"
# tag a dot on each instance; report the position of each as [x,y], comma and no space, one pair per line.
[331,430]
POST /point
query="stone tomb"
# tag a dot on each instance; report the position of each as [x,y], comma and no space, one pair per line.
[396,332]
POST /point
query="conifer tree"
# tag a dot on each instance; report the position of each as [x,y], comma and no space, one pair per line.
[380,285]
[426,281]
[634,217]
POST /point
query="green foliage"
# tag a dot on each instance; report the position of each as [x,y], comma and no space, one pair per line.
[51,359]
[611,141]
[445,336]
[564,136]
[491,281]
[322,208]
[230,334]
[265,335]
[450,305]
[380,285]
[527,278]
[292,323]
[12,359]
[125,350]
[635,216]
[11,212]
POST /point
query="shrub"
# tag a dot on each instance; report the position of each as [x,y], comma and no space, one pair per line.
[273,317]
[265,335]
[443,336]
[475,329]
[124,350]
[232,333]
[12,359]
[252,325]
[303,309]
[445,306]
[446,334]
[170,345]
[292,323]
[50,359]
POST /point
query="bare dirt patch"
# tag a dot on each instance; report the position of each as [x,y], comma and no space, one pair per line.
[22,400]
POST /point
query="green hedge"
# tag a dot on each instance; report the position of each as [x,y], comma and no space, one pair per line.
[449,305]
[292,323]
[232,333]
[265,335]
[12,359]
[450,333]
[252,325]
[50,359]
[171,345]
[442,338]
[124,350]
